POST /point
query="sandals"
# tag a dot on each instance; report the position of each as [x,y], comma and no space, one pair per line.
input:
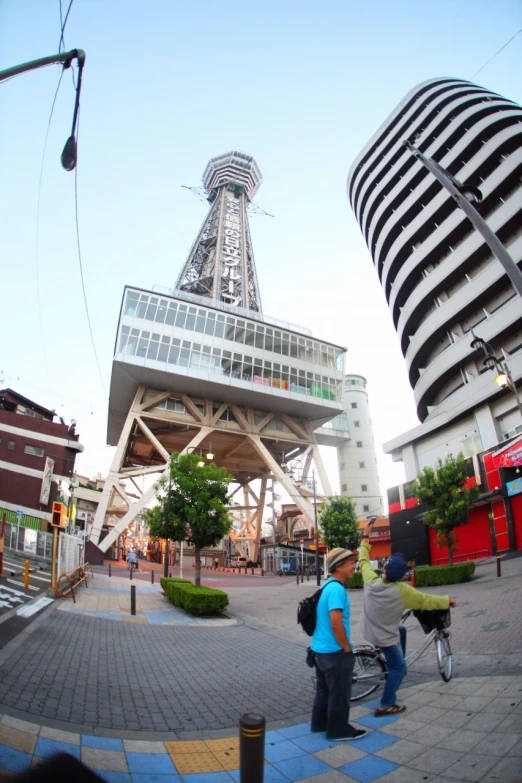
[395,709]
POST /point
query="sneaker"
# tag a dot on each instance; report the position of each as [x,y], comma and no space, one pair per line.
[359,734]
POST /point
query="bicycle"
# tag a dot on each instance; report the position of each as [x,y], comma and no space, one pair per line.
[370,665]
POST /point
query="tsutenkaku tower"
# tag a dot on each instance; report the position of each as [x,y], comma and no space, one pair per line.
[221,263]
[200,367]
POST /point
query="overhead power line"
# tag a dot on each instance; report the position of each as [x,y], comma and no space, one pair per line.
[63,23]
[493,57]
[38,227]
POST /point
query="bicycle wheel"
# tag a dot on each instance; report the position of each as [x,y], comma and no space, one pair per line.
[369,672]
[442,645]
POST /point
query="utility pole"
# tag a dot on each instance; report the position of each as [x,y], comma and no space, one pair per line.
[464,194]
[317,567]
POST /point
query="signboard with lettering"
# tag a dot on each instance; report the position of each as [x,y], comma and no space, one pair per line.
[30,537]
[514,487]
[47,481]
[231,252]
[510,457]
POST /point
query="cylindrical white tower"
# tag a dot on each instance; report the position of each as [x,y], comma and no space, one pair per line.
[358,474]
[439,276]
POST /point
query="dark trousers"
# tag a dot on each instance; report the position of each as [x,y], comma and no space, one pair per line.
[331,710]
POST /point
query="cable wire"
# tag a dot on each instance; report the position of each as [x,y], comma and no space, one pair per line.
[493,57]
[81,265]
[63,22]
[38,226]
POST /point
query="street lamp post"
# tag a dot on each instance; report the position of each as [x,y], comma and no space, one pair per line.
[504,377]
[317,568]
[464,195]
[70,153]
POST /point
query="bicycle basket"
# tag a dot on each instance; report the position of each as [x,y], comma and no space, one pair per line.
[435,620]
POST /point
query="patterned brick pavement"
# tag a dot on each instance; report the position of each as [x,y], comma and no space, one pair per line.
[467,730]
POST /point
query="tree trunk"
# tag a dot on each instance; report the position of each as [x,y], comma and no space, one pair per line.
[451,548]
[166,559]
[197,557]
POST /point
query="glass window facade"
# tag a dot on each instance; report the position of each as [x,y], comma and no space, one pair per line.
[242,361]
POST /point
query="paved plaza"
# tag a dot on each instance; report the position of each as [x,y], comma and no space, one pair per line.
[158,696]
[467,730]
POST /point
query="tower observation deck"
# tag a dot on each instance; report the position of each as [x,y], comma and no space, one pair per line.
[200,367]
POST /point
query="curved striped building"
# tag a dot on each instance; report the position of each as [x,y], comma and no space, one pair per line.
[439,277]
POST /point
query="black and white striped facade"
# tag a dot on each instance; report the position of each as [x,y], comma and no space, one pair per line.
[439,277]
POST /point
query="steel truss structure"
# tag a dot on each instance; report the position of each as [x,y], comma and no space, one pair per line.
[221,263]
[252,445]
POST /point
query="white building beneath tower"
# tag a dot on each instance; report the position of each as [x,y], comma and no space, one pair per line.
[358,473]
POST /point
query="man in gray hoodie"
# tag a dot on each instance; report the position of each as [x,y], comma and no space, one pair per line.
[385,600]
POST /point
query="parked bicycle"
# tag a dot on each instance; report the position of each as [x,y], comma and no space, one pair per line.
[370,666]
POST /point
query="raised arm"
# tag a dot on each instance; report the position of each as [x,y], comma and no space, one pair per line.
[368,574]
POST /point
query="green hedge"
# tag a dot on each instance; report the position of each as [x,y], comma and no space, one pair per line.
[164,581]
[355,582]
[433,576]
[195,600]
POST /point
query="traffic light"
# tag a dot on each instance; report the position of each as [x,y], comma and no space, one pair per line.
[59,515]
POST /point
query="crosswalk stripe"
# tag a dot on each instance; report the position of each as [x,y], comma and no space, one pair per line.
[30,609]
[16,582]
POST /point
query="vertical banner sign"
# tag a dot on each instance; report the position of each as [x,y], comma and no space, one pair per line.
[231,289]
[47,481]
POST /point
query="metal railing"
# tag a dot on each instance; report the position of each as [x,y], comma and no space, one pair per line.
[16,540]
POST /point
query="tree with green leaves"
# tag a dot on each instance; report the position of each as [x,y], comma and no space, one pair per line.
[442,493]
[191,504]
[338,523]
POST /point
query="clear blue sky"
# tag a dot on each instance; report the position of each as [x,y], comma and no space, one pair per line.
[169,84]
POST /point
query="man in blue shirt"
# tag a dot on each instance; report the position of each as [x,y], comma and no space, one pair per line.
[334,659]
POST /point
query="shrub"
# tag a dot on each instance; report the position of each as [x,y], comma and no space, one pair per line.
[204,600]
[195,600]
[164,581]
[433,576]
[355,582]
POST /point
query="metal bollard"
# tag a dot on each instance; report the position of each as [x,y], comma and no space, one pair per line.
[170,574]
[26,574]
[110,570]
[297,577]
[251,748]
[307,574]
[131,569]
[252,571]
[152,577]
[262,572]
[302,575]
[499,570]
[133,599]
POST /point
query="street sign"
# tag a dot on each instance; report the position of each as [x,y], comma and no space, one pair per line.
[19,514]
[301,542]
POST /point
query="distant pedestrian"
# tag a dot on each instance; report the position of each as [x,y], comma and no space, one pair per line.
[216,563]
[334,658]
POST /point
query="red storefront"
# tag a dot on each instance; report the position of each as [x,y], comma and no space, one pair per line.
[495,520]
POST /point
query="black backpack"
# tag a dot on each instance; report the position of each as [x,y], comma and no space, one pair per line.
[307,610]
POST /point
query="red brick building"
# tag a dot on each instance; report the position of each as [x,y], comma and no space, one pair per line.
[36,455]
